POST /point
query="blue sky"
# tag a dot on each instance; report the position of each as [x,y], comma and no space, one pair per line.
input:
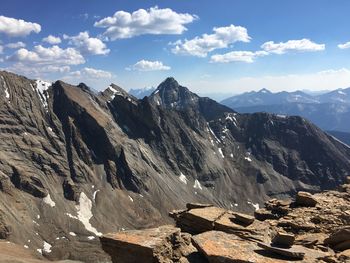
[279,45]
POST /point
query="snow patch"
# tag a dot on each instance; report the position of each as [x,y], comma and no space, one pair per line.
[71,216]
[183,178]
[248,159]
[91,237]
[85,213]
[256,206]
[94,195]
[221,153]
[197,185]
[47,200]
[132,200]
[231,155]
[73,234]
[40,250]
[41,88]
[47,247]
[25,246]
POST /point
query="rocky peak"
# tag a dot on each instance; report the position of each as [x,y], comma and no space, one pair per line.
[266,91]
[171,95]
[113,91]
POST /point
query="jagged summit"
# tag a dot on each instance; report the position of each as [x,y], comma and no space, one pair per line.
[264,90]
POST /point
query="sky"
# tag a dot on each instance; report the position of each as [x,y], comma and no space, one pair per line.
[222,46]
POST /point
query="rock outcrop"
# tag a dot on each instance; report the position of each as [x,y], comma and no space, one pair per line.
[221,235]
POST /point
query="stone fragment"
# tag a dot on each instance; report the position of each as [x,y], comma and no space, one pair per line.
[163,245]
[283,240]
[305,199]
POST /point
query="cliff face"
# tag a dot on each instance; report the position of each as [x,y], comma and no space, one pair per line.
[75,164]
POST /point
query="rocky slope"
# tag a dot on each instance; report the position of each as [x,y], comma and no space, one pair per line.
[75,164]
[310,228]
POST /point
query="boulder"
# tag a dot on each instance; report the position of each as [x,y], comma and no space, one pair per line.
[162,245]
[244,218]
[305,199]
[282,239]
[340,239]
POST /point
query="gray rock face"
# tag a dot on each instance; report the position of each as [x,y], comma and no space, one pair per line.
[75,164]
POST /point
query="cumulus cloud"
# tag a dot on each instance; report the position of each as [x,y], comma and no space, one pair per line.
[16,45]
[151,21]
[88,45]
[237,56]
[91,73]
[344,46]
[146,65]
[221,38]
[47,56]
[17,27]
[305,45]
[52,40]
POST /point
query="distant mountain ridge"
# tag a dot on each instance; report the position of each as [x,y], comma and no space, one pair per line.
[141,93]
[330,111]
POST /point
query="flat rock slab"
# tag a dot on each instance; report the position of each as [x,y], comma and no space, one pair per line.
[135,245]
[257,230]
[291,253]
[220,247]
[199,220]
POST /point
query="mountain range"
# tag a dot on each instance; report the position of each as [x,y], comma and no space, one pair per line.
[330,110]
[75,163]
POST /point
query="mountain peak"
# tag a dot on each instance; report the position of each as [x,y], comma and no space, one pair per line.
[264,91]
[169,83]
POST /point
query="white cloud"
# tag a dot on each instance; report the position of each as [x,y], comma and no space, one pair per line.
[146,65]
[92,73]
[322,80]
[87,44]
[1,49]
[344,46]
[16,45]
[292,45]
[151,21]
[17,27]
[221,38]
[237,56]
[47,56]
[52,40]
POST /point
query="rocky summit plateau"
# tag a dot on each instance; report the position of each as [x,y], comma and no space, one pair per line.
[308,228]
[77,164]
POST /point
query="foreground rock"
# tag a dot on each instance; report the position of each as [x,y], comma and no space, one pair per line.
[313,228]
[163,244]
